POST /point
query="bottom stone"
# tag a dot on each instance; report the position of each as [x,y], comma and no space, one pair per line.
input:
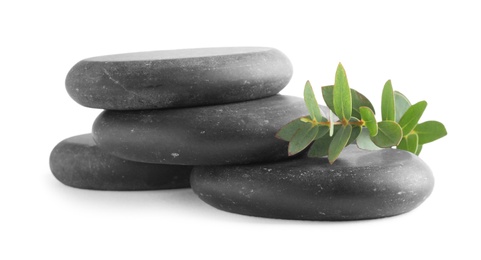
[78,162]
[359,185]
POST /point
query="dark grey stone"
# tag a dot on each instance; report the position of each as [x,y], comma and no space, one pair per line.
[237,133]
[359,185]
[78,162]
[178,78]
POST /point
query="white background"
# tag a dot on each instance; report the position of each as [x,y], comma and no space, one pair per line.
[430,49]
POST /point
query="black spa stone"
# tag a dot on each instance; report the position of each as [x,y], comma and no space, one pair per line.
[178,78]
[237,133]
[78,162]
[359,185]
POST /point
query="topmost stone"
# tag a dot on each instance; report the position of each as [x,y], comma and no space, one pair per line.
[178,78]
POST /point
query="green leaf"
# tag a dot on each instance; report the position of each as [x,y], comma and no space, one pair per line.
[328,96]
[402,104]
[364,141]
[342,95]
[356,130]
[369,119]
[289,130]
[409,143]
[302,138]
[430,131]
[339,141]
[412,143]
[323,129]
[311,103]
[358,100]
[418,151]
[389,134]
[388,111]
[320,147]
[411,118]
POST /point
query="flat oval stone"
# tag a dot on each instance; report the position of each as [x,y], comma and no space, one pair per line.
[359,185]
[237,133]
[78,162]
[178,78]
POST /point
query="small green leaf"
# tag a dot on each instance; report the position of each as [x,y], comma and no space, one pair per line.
[328,96]
[411,118]
[364,141]
[403,145]
[430,131]
[409,143]
[323,129]
[302,138]
[359,100]
[289,130]
[388,111]
[389,134]
[418,151]
[402,104]
[356,130]
[342,99]
[311,103]
[339,141]
[412,143]
[369,119]
[320,147]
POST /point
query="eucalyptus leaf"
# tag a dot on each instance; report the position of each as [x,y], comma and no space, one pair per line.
[339,141]
[388,111]
[409,143]
[411,118]
[369,119]
[342,99]
[412,143]
[323,130]
[311,103]
[364,141]
[401,103]
[430,131]
[302,138]
[358,100]
[356,130]
[289,130]
[403,145]
[389,134]
[320,147]
[420,148]
[328,96]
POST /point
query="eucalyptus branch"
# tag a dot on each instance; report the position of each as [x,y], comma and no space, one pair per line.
[357,122]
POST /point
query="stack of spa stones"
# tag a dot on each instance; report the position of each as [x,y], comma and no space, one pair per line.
[166,111]
[208,118]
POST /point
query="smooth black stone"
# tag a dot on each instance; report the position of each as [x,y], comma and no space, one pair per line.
[237,133]
[78,162]
[359,185]
[178,78]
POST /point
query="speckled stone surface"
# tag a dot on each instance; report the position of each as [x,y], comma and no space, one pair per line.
[178,78]
[78,162]
[359,185]
[237,133]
